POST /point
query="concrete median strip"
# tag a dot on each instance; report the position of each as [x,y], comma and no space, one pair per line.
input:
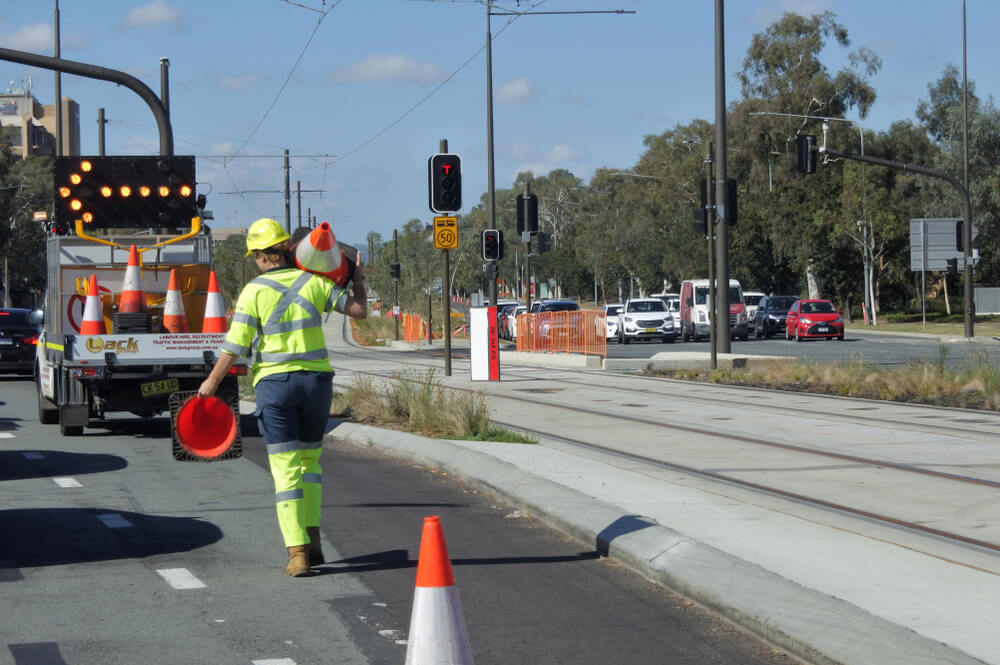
[814,626]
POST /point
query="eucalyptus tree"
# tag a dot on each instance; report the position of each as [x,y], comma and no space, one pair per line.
[25,188]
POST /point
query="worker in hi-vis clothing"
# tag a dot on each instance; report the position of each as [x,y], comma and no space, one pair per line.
[278,322]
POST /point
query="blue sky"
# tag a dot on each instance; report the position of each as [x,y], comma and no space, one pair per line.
[361,91]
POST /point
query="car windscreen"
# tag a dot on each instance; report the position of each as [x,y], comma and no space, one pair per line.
[15,319]
[560,307]
[614,310]
[751,300]
[647,306]
[780,304]
[819,307]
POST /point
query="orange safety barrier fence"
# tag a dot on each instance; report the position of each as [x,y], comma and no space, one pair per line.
[414,328]
[563,332]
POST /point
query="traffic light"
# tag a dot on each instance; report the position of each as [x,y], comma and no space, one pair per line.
[806,148]
[960,235]
[125,191]
[731,201]
[700,221]
[544,242]
[394,270]
[952,265]
[527,213]
[444,176]
[492,245]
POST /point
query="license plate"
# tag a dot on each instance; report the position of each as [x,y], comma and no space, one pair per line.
[6,341]
[651,330]
[824,329]
[162,387]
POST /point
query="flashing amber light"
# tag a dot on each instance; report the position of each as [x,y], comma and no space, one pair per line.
[75,204]
[145,191]
[64,192]
[86,166]
[164,190]
[106,191]
[75,178]
[88,217]
[186,190]
[125,191]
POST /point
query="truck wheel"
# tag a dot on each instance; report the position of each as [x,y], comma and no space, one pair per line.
[48,414]
[70,430]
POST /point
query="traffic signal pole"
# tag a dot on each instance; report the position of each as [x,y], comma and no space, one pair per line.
[446,293]
[722,215]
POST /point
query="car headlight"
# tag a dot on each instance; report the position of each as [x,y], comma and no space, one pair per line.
[628,319]
[806,321]
[741,317]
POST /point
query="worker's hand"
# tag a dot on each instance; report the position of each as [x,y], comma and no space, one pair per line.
[208,388]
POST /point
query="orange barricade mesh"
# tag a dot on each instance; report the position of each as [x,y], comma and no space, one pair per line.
[563,332]
[413,328]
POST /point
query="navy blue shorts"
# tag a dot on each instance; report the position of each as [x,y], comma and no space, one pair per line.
[294,406]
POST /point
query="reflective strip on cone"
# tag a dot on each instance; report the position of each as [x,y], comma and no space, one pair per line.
[437,629]
[133,298]
[93,312]
[215,309]
[173,307]
[319,253]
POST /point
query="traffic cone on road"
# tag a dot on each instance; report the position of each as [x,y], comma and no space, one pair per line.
[215,309]
[93,312]
[319,253]
[133,298]
[173,307]
[437,629]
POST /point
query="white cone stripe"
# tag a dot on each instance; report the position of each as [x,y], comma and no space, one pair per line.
[437,629]
[214,307]
[174,304]
[92,309]
[315,260]
[132,279]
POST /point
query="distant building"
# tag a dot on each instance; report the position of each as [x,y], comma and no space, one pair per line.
[37,123]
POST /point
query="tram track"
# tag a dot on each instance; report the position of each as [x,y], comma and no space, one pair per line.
[713,435]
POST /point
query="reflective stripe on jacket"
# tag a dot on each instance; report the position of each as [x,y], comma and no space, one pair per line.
[278,318]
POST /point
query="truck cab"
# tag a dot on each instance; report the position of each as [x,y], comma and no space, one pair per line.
[695,304]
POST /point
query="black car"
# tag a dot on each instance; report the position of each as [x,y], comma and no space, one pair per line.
[19,332]
[769,319]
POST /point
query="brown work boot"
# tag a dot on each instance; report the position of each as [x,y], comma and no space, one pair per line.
[315,549]
[298,561]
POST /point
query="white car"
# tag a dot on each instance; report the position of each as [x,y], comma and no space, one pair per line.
[751,299]
[674,307]
[612,312]
[645,318]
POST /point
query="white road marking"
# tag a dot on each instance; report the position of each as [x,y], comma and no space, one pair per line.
[33,456]
[6,435]
[114,521]
[67,482]
[274,661]
[181,578]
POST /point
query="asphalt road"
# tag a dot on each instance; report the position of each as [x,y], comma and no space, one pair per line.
[115,553]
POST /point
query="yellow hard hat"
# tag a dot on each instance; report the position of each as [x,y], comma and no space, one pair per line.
[264,233]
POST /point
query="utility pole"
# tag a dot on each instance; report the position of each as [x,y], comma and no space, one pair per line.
[721,186]
[713,332]
[59,119]
[288,198]
[395,282]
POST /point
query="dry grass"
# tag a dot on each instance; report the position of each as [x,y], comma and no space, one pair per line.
[417,402]
[976,385]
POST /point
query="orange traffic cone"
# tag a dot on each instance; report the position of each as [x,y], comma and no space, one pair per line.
[437,629]
[215,309]
[133,298]
[93,313]
[319,253]
[173,307]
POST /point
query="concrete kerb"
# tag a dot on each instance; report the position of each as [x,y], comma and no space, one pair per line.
[818,628]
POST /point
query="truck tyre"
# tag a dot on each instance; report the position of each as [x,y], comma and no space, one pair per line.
[70,430]
[48,414]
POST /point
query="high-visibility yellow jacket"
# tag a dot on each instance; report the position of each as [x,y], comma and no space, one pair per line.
[277,322]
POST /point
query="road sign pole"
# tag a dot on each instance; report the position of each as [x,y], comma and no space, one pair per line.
[446,296]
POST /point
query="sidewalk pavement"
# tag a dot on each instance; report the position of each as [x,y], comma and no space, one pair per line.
[811,624]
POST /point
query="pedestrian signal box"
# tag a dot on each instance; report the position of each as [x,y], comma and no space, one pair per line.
[125,191]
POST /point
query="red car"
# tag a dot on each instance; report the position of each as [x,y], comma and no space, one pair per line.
[814,318]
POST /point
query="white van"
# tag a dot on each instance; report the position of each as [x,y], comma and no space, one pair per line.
[695,305]
[751,299]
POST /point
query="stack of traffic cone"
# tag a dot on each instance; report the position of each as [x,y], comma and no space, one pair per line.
[319,253]
[437,629]
[215,309]
[174,320]
[93,312]
[133,298]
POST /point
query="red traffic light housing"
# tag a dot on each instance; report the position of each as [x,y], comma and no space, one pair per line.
[444,177]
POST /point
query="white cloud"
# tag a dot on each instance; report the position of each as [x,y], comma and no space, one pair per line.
[236,82]
[37,37]
[395,67]
[155,13]
[540,163]
[513,92]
